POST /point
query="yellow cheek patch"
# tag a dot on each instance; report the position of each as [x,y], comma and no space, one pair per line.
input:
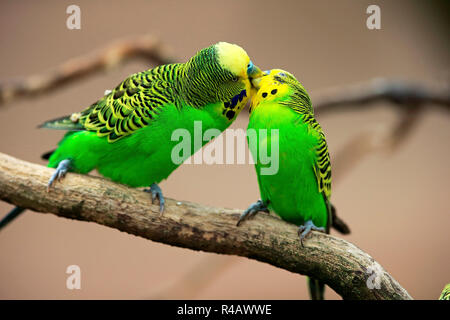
[269,90]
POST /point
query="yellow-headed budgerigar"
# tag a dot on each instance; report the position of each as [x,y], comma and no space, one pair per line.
[299,191]
[126,134]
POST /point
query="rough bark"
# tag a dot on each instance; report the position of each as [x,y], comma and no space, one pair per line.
[340,264]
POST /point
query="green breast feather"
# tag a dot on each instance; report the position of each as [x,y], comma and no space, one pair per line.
[300,102]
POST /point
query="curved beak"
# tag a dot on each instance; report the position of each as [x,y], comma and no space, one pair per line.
[254,72]
[257,80]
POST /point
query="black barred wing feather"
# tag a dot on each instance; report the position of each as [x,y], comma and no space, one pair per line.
[322,171]
[322,167]
[132,105]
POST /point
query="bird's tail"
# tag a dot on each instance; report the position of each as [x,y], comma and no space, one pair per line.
[337,223]
[14,213]
[316,289]
[63,123]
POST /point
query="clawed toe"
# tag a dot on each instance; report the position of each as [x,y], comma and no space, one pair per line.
[59,174]
[306,228]
[156,193]
[252,210]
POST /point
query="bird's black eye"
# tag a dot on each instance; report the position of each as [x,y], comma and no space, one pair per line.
[235,78]
[279,79]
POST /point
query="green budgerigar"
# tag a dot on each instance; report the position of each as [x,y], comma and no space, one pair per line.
[127,134]
[299,191]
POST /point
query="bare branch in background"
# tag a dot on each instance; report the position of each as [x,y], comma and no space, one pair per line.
[381,138]
[399,92]
[146,47]
[154,51]
[336,262]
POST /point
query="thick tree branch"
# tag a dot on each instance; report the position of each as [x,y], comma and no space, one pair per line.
[145,47]
[340,264]
[372,140]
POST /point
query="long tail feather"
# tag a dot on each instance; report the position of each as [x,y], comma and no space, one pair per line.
[316,289]
[47,155]
[337,223]
[14,213]
[62,123]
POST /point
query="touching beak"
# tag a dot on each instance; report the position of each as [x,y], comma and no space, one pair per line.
[253,72]
[256,80]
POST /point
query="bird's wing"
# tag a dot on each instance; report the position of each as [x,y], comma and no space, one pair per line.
[132,105]
[321,166]
[322,170]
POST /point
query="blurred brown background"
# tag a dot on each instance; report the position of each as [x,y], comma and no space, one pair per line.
[396,204]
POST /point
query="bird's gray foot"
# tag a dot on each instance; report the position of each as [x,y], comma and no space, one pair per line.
[252,210]
[156,192]
[59,173]
[306,228]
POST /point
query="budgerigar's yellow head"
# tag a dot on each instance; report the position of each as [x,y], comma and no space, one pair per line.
[233,58]
[278,85]
[221,73]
